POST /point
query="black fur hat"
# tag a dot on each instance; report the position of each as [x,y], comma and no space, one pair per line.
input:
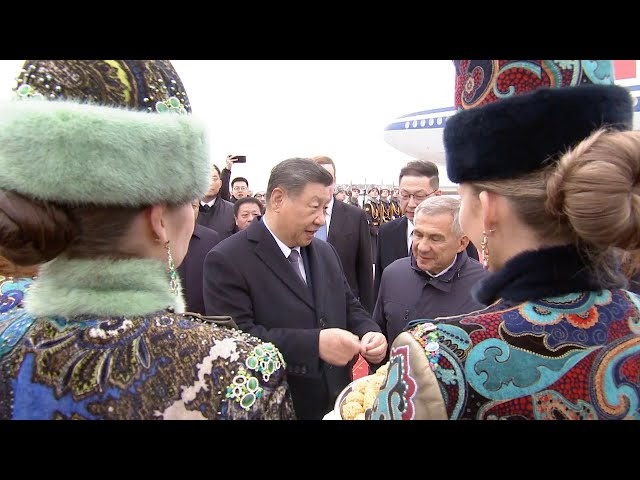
[521,134]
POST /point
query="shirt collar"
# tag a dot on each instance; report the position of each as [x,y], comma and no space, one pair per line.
[410,228]
[445,270]
[330,206]
[210,204]
[443,281]
[285,249]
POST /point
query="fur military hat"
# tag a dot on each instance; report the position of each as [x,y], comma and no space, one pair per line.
[103,132]
[517,127]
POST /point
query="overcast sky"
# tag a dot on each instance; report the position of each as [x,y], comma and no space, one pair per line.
[271,110]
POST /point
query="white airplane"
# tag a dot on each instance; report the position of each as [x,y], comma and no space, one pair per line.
[419,134]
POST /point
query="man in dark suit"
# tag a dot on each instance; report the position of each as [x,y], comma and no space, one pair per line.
[202,240]
[216,213]
[419,179]
[282,285]
[233,190]
[348,232]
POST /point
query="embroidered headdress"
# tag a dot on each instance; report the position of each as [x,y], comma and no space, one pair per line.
[516,116]
[103,132]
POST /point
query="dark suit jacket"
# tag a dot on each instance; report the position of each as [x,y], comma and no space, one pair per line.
[247,276]
[202,240]
[349,234]
[219,218]
[392,245]
[225,178]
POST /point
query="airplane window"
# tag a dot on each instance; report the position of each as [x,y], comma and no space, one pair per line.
[422,122]
[406,124]
[415,123]
[430,121]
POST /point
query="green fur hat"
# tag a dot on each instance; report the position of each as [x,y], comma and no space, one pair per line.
[103,132]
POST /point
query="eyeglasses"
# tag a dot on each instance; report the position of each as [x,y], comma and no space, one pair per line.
[418,197]
[242,189]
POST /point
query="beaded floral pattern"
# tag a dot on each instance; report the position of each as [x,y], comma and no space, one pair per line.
[148,85]
[171,105]
[427,335]
[158,366]
[25,90]
[244,389]
[265,359]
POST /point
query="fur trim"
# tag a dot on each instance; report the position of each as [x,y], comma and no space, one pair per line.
[519,135]
[69,288]
[536,274]
[76,153]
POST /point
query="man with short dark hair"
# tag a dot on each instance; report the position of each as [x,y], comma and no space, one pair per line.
[348,232]
[283,285]
[239,185]
[215,212]
[203,239]
[245,210]
[239,188]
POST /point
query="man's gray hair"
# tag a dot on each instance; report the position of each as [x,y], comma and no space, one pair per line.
[438,205]
[294,174]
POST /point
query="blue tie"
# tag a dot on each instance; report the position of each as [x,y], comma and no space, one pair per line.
[321,233]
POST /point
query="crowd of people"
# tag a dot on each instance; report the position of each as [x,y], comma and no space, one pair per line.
[139,281]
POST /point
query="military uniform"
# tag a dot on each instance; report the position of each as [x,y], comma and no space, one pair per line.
[395,211]
[385,211]
[374,210]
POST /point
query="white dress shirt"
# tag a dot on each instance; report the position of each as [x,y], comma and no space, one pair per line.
[327,214]
[445,270]
[410,228]
[210,204]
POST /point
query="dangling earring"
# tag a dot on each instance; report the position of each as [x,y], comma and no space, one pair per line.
[171,270]
[484,246]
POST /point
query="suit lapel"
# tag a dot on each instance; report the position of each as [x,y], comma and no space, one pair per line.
[316,272]
[269,252]
[338,221]
[400,247]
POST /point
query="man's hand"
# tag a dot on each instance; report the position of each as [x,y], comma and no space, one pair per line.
[373,347]
[230,160]
[337,346]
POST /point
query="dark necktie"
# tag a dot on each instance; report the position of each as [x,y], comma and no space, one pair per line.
[204,208]
[293,260]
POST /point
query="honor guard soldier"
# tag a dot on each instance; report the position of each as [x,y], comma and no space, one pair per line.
[372,208]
